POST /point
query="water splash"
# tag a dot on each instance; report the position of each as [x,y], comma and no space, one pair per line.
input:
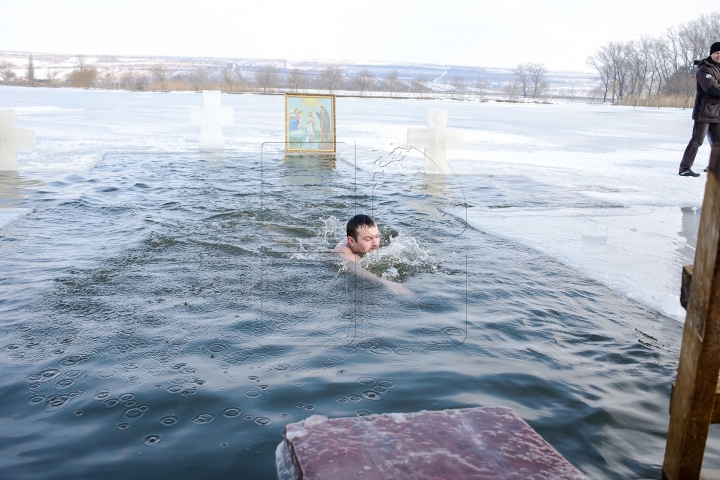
[403,257]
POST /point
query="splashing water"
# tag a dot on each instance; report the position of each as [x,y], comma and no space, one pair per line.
[402,258]
[319,246]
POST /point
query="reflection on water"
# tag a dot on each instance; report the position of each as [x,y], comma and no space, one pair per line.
[170,321]
[13,187]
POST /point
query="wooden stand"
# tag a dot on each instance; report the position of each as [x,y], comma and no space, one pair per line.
[692,404]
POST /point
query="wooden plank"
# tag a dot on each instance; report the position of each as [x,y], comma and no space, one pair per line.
[470,443]
[686,282]
[697,379]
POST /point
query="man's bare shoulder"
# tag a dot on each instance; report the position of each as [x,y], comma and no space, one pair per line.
[345,252]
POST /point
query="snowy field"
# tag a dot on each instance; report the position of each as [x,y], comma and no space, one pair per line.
[594,187]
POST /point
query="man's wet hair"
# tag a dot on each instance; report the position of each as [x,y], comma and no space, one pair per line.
[356,222]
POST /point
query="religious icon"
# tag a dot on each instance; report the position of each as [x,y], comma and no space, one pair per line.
[310,123]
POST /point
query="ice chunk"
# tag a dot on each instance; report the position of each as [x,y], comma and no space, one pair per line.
[435,140]
[211,117]
[398,417]
[315,421]
[13,139]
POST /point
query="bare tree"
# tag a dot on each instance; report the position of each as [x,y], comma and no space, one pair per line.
[6,71]
[601,63]
[523,78]
[197,78]
[297,80]
[331,79]
[267,77]
[231,76]
[391,82]
[364,81]
[83,78]
[420,85]
[51,76]
[30,75]
[458,85]
[481,86]
[81,62]
[511,90]
[161,75]
[129,79]
[537,72]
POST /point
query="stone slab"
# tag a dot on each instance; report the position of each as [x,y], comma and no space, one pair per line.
[472,443]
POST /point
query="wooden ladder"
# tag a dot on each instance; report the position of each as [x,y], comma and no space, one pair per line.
[695,398]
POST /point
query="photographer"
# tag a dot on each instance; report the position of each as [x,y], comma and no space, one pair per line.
[707,109]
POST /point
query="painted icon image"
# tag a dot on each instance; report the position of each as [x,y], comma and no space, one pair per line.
[310,123]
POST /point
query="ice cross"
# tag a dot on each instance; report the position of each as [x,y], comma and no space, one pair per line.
[435,139]
[13,139]
[211,117]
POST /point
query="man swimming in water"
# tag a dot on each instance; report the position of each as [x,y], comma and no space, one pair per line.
[363,236]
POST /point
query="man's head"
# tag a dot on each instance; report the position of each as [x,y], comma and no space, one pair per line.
[362,234]
[715,52]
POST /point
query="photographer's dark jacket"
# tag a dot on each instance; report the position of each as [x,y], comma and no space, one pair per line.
[707,101]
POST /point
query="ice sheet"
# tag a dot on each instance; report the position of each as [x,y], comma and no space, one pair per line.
[637,251]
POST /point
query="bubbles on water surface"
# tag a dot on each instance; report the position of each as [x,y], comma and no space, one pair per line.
[232,412]
[169,421]
[252,393]
[263,421]
[73,360]
[217,347]
[361,413]
[342,399]
[43,375]
[123,426]
[366,381]
[136,413]
[174,389]
[56,401]
[372,395]
[111,403]
[152,440]
[203,419]
[64,383]
[36,399]
[248,416]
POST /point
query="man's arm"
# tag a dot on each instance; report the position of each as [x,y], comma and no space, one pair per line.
[352,259]
[708,82]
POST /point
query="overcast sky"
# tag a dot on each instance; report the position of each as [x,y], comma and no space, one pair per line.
[502,33]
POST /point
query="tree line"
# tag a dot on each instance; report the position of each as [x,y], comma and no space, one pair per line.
[656,69]
[229,78]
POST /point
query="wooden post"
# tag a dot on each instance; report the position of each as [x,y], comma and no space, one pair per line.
[691,408]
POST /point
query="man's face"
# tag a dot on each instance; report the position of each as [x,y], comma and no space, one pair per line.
[715,57]
[368,238]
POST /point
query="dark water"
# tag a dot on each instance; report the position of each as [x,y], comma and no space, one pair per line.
[166,315]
